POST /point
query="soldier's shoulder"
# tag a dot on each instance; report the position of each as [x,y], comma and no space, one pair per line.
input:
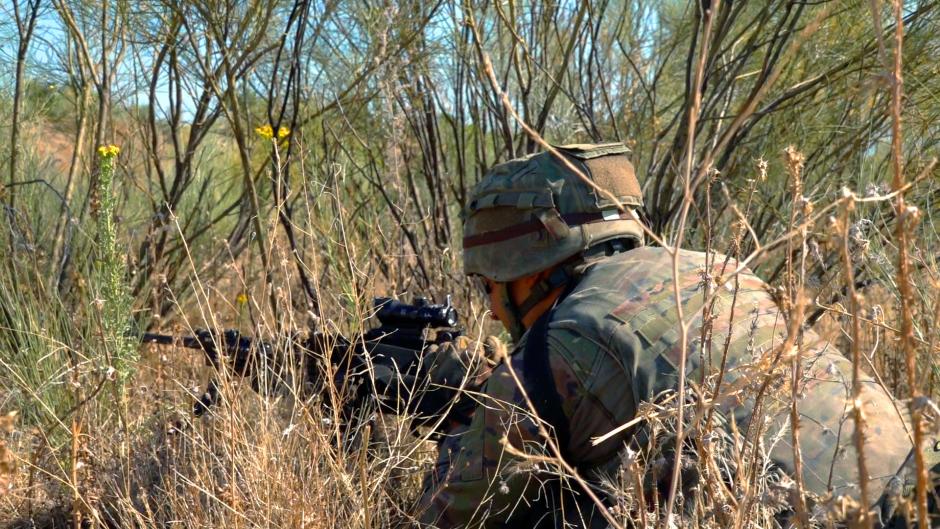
[617,289]
[653,261]
[604,286]
[630,274]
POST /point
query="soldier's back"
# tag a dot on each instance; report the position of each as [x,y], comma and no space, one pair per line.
[620,331]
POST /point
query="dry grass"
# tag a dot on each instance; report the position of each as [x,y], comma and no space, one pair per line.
[363,199]
[249,463]
[144,461]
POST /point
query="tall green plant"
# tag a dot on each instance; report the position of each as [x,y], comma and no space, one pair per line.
[113,299]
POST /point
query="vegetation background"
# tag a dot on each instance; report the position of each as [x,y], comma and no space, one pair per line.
[281,162]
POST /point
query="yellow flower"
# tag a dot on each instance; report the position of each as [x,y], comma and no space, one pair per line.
[241,299]
[109,151]
[265,131]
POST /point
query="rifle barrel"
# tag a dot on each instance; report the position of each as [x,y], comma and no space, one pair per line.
[189,342]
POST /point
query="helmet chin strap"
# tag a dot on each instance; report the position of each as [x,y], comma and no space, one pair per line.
[515,326]
[566,273]
[560,276]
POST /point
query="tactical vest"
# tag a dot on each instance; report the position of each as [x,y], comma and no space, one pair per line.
[629,299]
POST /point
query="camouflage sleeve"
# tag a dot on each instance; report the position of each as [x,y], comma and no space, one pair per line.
[483,476]
[476,479]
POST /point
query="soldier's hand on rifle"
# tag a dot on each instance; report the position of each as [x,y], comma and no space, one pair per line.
[463,359]
[454,371]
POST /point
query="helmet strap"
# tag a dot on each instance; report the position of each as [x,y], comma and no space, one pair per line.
[545,287]
[559,277]
[514,325]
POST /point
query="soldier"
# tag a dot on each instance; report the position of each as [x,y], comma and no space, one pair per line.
[593,314]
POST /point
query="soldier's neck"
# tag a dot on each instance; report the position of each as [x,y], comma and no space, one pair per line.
[529,319]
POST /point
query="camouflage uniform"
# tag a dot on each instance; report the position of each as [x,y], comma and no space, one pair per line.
[613,343]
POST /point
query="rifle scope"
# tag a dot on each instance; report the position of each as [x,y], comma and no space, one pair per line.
[421,313]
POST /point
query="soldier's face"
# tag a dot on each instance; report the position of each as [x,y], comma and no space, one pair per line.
[491,289]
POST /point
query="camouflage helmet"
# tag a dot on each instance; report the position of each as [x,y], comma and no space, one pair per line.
[531,213]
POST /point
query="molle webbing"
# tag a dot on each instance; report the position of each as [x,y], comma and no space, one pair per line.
[658,323]
[536,224]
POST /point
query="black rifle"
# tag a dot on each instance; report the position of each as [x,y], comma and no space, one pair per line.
[399,345]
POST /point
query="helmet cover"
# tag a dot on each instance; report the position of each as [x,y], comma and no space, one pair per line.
[532,213]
